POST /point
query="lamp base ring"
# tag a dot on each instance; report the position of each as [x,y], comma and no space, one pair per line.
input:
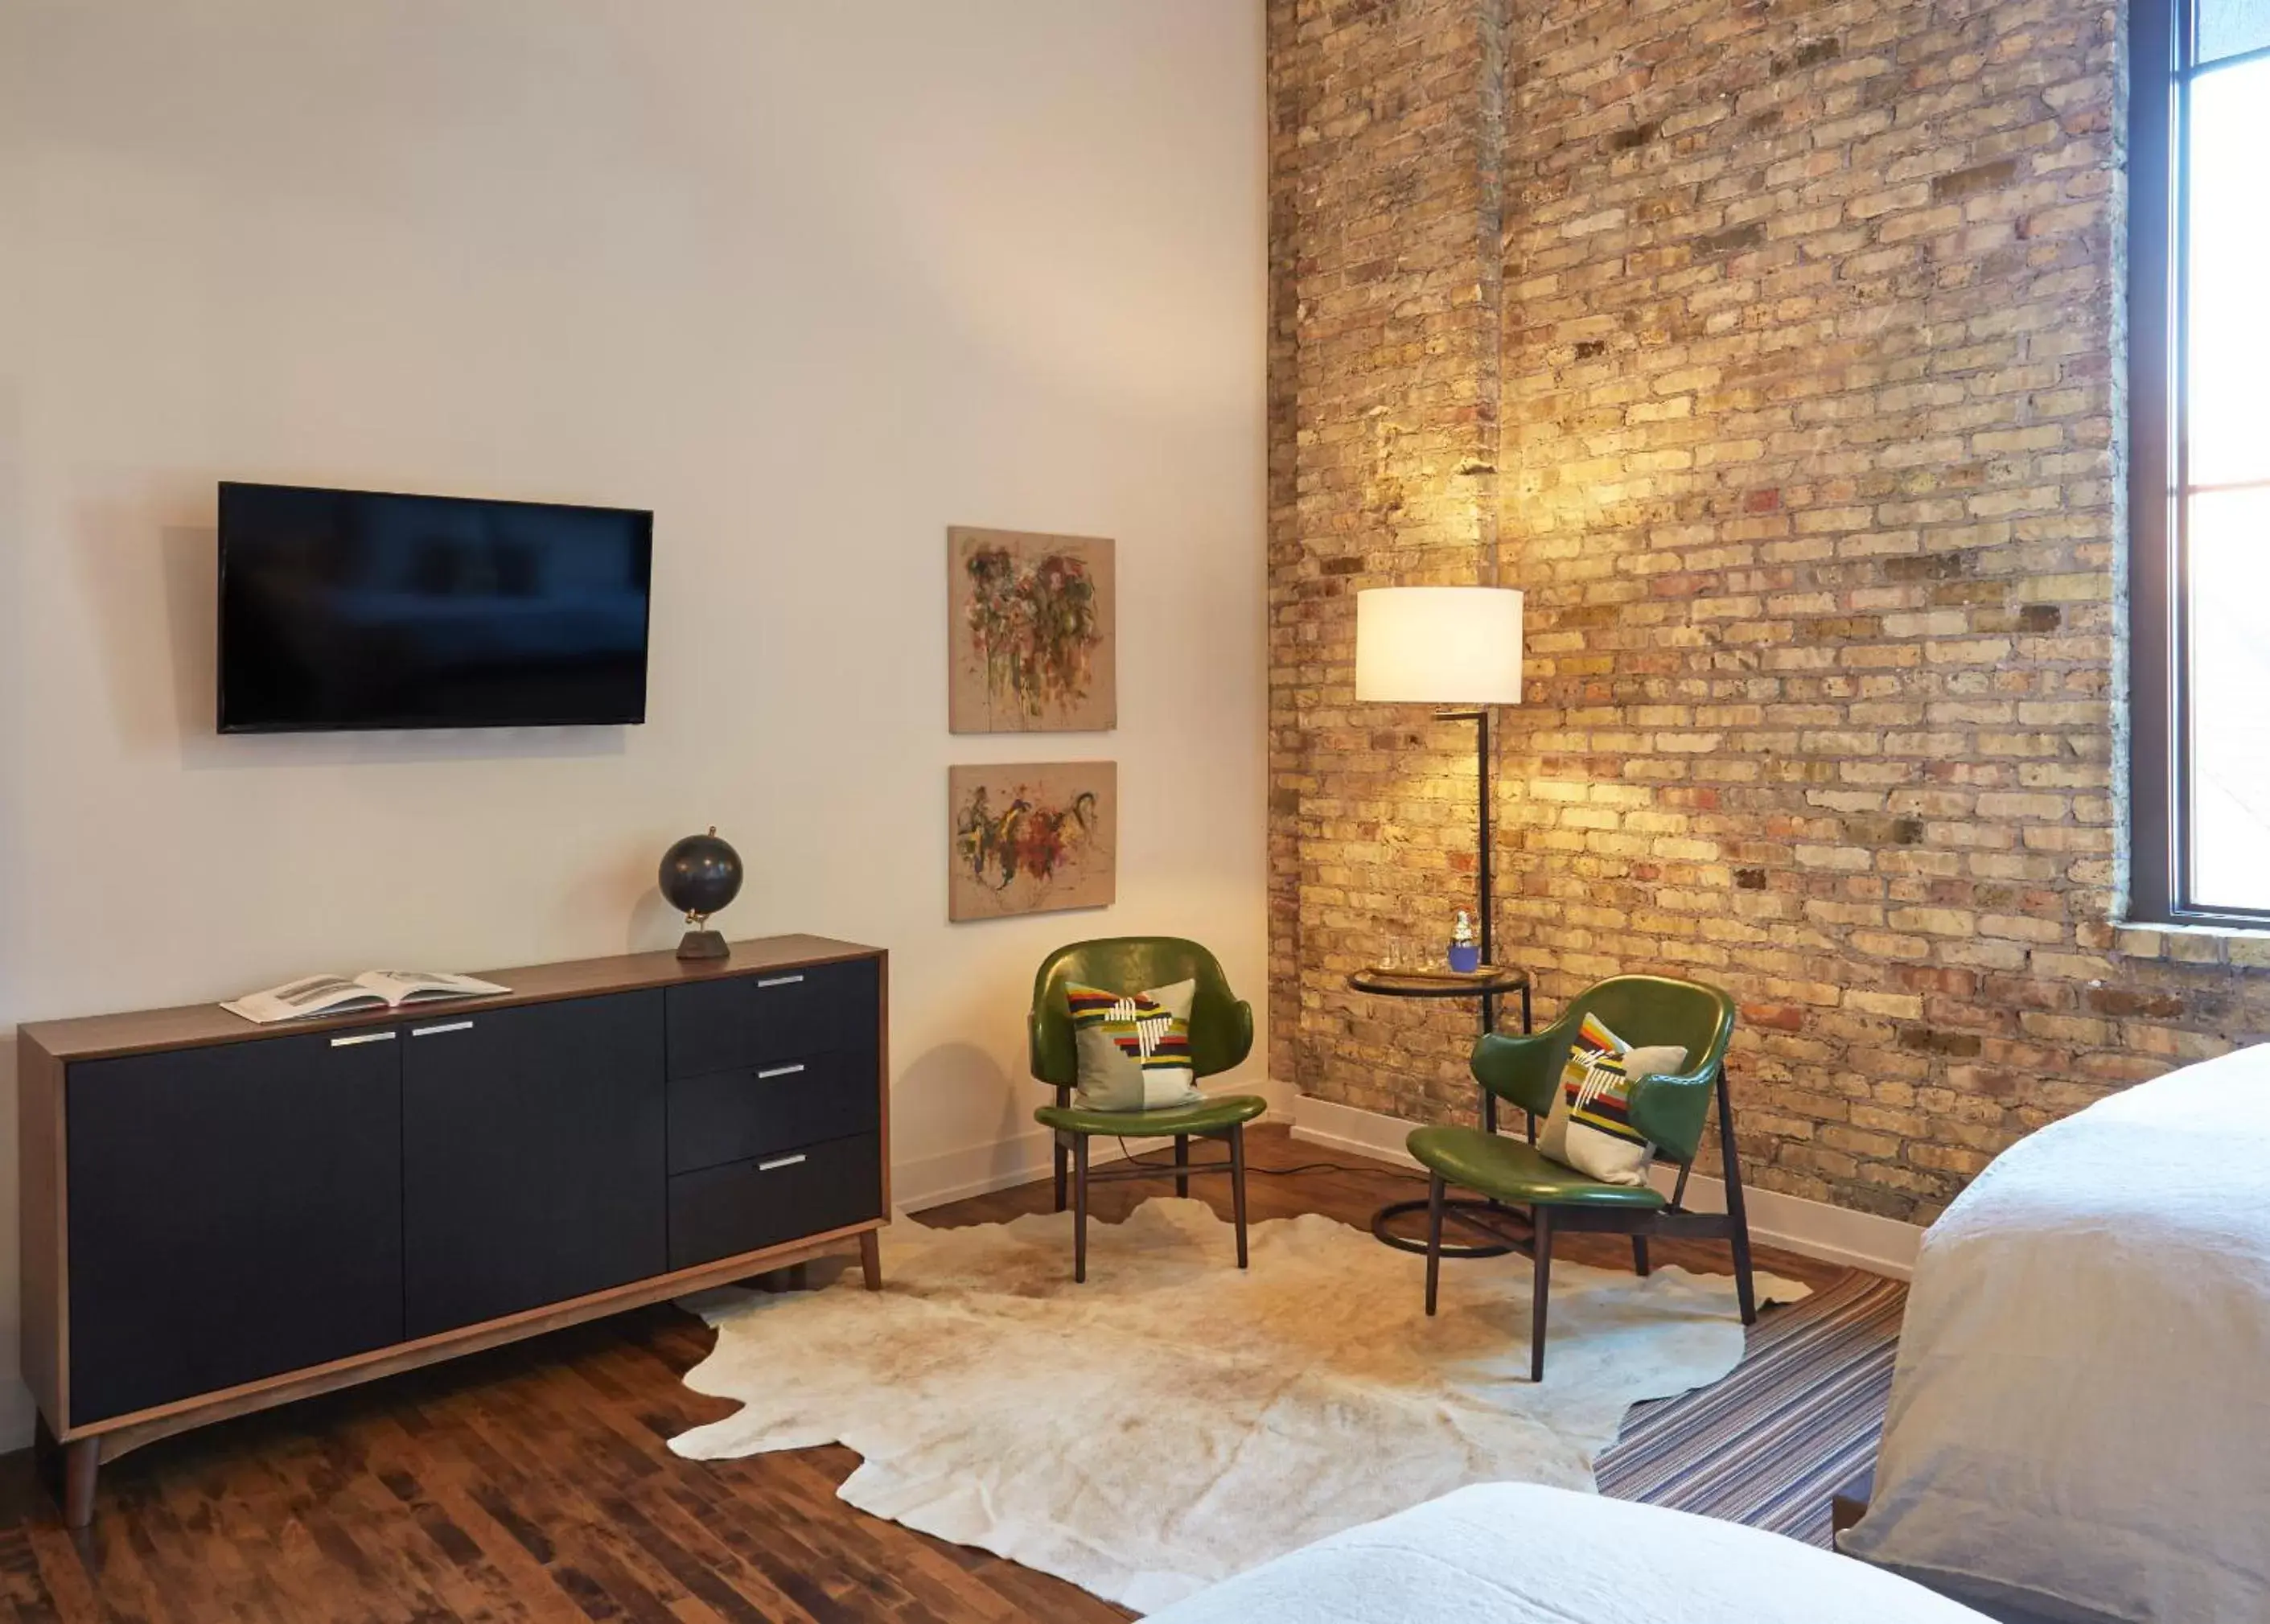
[1488,1217]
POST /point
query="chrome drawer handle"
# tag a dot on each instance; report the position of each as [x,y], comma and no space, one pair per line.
[778,981]
[780,1162]
[453,1025]
[362,1037]
[781,1070]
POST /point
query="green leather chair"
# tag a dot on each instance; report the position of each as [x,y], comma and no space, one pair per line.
[1671,1111]
[1221,1035]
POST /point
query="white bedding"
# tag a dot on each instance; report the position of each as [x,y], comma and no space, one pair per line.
[2080,1413]
[1523,1554]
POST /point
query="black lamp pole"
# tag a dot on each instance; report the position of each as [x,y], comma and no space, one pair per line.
[1486,1215]
[1480,717]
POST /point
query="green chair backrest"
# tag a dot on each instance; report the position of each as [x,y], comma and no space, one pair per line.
[1645,1009]
[1221,1025]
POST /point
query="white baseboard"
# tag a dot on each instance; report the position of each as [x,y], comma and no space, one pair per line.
[1811,1228]
[16,1414]
[1343,1127]
[981,1170]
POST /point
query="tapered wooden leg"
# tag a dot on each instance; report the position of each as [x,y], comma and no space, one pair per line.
[1080,1209]
[1182,1159]
[1539,1288]
[1062,1161]
[1737,1211]
[870,1259]
[1434,1238]
[1639,1254]
[82,1457]
[1237,1185]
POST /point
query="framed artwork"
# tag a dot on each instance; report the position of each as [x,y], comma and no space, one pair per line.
[1032,838]
[1034,645]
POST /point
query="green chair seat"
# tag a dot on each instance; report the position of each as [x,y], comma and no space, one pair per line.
[1516,1172]
[1206,1116]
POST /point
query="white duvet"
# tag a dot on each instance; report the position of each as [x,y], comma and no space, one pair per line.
[1523,1554]
[2081,1413]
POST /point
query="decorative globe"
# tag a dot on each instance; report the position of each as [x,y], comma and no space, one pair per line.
[701,875]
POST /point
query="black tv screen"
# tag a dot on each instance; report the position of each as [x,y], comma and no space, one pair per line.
[357,609]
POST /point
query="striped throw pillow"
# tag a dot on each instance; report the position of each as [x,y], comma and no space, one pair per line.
[1590,1126]
[1134,1047]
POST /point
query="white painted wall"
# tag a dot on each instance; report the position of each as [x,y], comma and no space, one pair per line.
[812,281]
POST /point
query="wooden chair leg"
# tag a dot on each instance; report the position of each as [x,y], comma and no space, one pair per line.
[1737,1211]
[1434,1238]
[1236,1185]
[1183,1159]
[1080,1209]
[1062,1160]
[1639,1254]
[1541,1243]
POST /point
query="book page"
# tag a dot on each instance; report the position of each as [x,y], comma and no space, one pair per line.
[398,987]
[309,996]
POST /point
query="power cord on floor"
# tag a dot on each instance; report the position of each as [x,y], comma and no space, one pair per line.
[1306,1167]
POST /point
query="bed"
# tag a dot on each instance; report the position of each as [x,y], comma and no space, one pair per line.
[1523,1554]
[2079,1422]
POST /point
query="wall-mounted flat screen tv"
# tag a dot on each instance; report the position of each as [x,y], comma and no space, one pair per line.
[356,609]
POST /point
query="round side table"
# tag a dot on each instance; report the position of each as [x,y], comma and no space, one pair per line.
[1487,1217]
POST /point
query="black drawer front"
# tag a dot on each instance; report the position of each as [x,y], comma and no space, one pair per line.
[773,1017]
[733,1116]
[747,1204]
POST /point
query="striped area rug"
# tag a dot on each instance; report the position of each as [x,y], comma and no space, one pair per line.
[1798,1419]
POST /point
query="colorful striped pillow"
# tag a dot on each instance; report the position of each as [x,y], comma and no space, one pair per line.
[1134,1047]
[1590,1126]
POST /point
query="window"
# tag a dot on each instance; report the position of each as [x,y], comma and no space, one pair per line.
[2199,460]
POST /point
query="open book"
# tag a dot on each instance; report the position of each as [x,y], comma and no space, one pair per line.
[336,994]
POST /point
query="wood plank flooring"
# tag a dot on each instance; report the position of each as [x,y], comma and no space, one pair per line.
[533,1482]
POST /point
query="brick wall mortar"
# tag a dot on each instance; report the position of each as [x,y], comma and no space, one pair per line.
[1790,401]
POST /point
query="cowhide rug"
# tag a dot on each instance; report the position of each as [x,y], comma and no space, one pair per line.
[1174,1421]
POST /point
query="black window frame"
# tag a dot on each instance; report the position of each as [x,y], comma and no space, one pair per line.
[2161,68]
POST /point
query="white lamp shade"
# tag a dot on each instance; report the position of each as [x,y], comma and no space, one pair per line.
[1438,645]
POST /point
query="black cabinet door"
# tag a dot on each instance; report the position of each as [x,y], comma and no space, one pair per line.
[235,1212]
[532,1144]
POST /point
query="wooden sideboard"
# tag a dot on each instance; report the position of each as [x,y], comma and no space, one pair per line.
[218,1217]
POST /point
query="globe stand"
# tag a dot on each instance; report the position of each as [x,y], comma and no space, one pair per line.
[703,944]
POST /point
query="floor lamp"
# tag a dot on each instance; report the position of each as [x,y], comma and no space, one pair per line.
[1458,649]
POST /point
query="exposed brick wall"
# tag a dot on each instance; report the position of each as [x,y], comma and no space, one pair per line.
[1388,149]
[1806,323]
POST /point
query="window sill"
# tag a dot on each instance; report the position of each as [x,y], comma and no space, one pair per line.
[2162,927]
[2245,947]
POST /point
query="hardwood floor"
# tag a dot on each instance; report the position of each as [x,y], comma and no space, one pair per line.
[535,1482]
